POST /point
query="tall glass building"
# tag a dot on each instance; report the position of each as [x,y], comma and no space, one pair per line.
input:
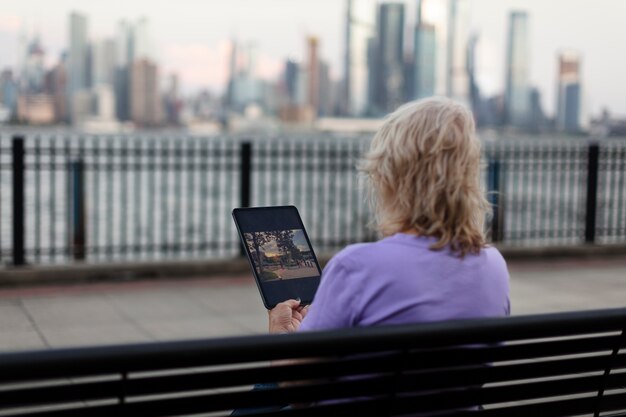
[388,68]
[446,23]
[132,45]
[78,69]
[517,94]
[103,62]
[425,55]
[458,83]
[569,114]
[360,30]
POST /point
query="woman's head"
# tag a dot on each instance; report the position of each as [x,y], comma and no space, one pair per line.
[423,174]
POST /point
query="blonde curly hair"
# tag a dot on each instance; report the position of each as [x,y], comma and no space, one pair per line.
[422,172]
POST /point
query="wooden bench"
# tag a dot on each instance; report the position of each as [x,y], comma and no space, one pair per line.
[545,365]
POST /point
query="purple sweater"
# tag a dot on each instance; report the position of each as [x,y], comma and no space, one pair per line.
[398,280]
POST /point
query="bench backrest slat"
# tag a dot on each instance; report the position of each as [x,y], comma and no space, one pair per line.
[561,360]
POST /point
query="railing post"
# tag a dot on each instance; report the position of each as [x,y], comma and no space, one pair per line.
[592,193]
[19,258]
[78,233]
[494,184]
[246,174]
[246,180]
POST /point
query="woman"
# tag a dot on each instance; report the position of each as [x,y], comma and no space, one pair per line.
[433,262]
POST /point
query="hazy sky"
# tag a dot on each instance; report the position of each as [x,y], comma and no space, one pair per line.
[191,36]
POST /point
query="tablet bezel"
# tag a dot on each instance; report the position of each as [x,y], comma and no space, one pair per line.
[284,289]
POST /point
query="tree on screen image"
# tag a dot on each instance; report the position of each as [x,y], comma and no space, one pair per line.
[255,241]
[284,241]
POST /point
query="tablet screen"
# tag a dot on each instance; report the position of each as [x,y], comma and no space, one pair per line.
[280,253]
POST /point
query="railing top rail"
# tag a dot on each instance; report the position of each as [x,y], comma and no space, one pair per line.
[502,139]
[164,135]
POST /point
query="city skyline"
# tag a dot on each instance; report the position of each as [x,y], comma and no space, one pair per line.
[488,69]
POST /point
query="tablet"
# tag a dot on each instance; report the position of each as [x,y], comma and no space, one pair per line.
[280,253]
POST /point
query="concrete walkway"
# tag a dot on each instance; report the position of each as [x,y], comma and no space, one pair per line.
[94,314]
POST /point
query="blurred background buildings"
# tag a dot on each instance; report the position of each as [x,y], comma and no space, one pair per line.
[394,52]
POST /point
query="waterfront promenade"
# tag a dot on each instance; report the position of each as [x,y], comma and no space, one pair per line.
[171,309]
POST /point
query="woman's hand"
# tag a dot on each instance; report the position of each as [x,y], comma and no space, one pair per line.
[287,316]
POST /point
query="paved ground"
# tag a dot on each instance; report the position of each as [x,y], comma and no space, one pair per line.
[167,310]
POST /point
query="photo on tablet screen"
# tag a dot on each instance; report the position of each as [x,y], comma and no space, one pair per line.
[281,255]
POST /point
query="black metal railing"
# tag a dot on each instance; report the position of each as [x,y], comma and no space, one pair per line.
[141,198]
[558,192]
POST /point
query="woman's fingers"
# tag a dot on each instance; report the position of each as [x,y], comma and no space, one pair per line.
[281,317]
[293,304]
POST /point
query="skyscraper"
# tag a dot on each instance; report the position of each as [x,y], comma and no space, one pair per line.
[476,100]
[389,64]
[141,45]
[302,87]
[569,95]
[77,58]
[517,93]
[173,102]
[122,72]
[33,72]
[8,94]
[232,73]
[247,87]
[291,80]
[425,55]
[537,116]
[133,41]
[57,87]
[103,62]
[250,55]
[132,45]
[434,14]
[326,93]
[458,85]
[360,29]
[313,68]
[446,23]
[145,103]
